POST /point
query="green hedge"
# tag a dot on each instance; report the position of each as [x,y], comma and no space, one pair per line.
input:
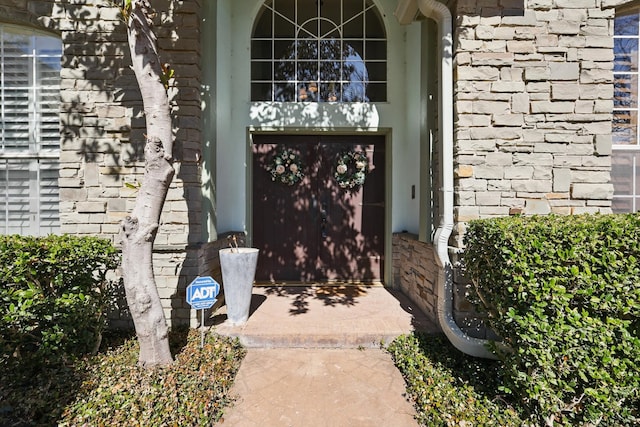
[564,293]
[53,296]
[450,388]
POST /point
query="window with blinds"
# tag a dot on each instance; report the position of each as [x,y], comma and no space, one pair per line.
[30,131]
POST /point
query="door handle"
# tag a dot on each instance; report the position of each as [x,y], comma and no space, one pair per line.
[313,208]
[323,221]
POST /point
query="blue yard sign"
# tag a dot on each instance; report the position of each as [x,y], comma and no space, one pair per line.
[202,292]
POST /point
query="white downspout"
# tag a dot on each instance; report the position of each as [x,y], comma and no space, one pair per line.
[463,342]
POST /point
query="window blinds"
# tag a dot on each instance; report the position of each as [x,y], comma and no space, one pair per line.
[30,131]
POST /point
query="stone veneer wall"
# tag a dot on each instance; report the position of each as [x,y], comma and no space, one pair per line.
[102,127]
[103,122]
[533,100]
[533,108]
[533,103]
[174,271]
[415,272]
[533,97]
[102,136]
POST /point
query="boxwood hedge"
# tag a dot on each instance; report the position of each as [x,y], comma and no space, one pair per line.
[564,294]
[53,296]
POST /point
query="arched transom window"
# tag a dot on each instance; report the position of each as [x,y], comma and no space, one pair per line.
[319,51]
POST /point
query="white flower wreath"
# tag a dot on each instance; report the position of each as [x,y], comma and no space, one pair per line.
[286,167]
[351,169]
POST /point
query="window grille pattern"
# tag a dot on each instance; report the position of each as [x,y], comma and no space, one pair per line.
[319,51]
[30,131]
[625,165]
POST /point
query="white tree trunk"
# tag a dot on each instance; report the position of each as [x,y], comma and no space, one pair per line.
[139,229]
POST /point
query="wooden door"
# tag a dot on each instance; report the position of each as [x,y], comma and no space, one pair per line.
[315,230]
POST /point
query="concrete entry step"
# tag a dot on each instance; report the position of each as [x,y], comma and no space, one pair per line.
[338,316]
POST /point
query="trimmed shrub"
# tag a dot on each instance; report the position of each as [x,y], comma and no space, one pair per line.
[564,294]
[448,387]
[53,296]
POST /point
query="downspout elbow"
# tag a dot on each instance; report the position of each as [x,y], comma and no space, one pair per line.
[472,346]
[462,341]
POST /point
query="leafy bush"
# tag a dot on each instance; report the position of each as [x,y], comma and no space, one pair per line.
[564,293]
[36,395]
[111,389]
[448,387]
[190,392]
[53,296]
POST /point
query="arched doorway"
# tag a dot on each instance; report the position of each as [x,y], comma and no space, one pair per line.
[319,228]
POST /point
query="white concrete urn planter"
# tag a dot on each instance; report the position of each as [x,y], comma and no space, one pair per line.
[238,272]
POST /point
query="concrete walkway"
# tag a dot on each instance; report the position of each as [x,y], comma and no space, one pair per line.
[314,358]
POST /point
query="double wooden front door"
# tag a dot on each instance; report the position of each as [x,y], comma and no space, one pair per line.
[315,230]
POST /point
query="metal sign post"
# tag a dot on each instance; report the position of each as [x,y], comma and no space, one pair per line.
[201,295]
[202,328]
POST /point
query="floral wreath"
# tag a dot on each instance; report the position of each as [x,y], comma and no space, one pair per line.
[351,169]
[286,167]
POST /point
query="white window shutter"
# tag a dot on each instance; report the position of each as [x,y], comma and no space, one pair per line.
[30,131]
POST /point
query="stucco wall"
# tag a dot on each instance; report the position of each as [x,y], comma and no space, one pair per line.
[400,116]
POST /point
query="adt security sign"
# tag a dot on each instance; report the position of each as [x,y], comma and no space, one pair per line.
[202,292]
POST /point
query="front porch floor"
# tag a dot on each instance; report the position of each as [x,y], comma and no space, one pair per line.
[325,316]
